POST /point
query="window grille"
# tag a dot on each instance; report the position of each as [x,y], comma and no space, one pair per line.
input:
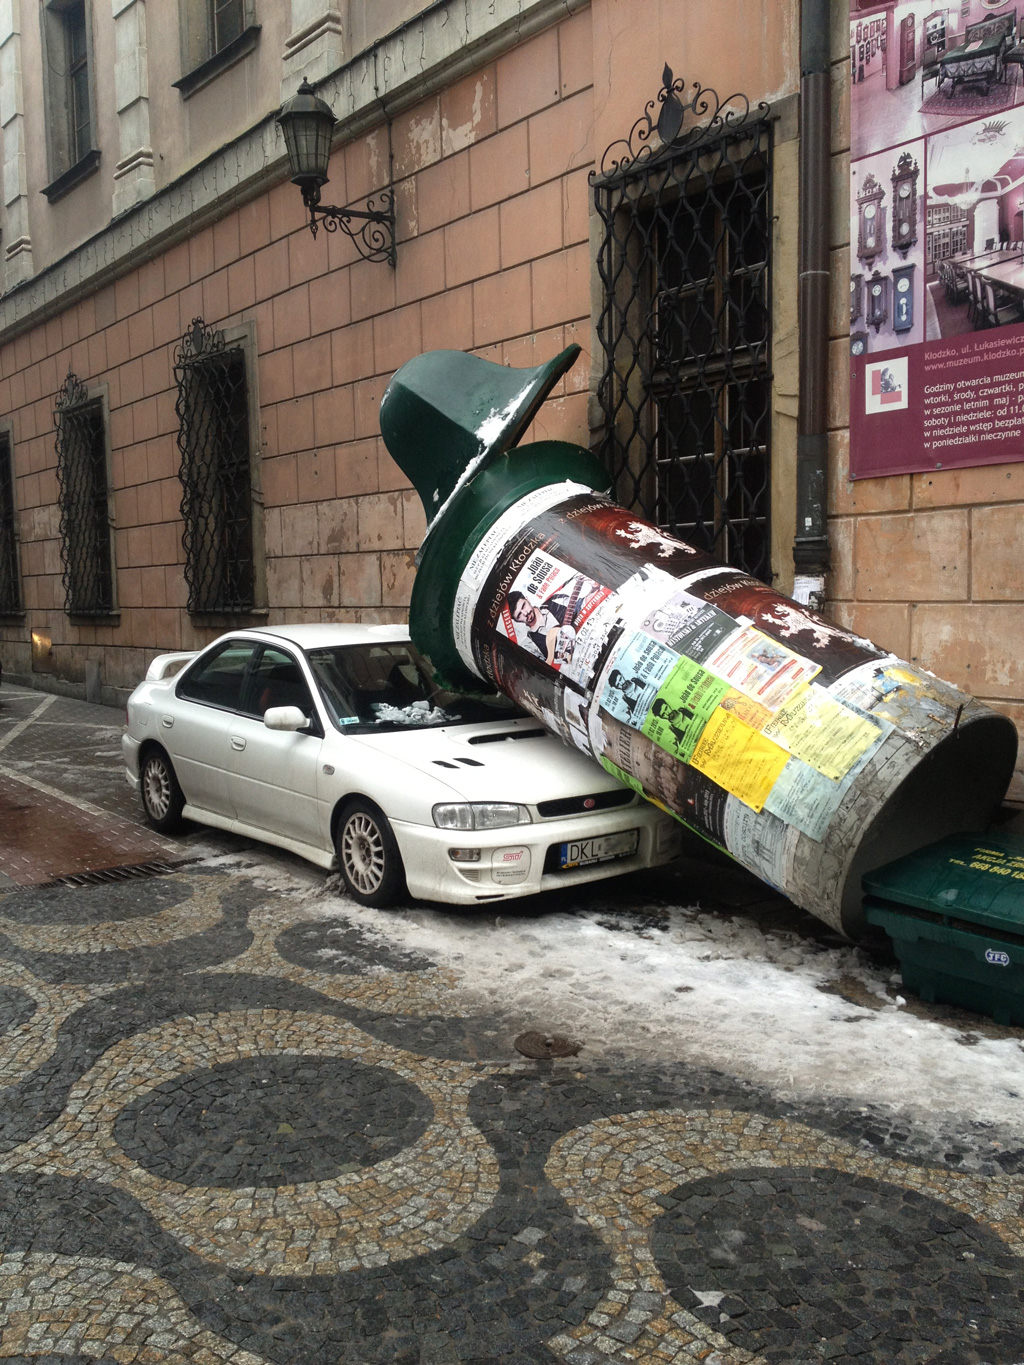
[10,582]
[216,474]
[83,489]
[685,321]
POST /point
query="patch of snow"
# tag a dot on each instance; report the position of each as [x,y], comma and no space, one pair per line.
[718,992]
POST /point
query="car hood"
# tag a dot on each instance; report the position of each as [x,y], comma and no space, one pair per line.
[517,761]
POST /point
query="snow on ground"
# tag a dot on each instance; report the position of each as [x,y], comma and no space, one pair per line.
[717,991]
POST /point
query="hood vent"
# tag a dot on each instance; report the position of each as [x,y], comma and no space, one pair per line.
[508,734]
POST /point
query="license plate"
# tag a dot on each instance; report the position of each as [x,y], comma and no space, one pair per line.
[582,852]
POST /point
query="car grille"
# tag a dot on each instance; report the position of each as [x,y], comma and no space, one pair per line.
[583,805]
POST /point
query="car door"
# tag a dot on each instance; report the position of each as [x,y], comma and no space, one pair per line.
[196,727]
[272,774]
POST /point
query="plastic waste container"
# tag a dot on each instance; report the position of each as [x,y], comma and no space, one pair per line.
[955,914]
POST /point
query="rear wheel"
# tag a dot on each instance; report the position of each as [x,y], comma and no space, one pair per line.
[368,856]
[162,798]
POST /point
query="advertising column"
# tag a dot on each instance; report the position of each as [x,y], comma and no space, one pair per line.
[805,753]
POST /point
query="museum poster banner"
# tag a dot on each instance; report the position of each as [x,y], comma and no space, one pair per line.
[936,233]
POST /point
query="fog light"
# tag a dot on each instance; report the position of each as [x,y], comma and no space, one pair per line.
[464,855]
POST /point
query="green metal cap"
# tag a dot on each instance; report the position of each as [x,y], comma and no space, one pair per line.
[445,415]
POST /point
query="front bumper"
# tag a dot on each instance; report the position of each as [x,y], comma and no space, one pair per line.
[512,860]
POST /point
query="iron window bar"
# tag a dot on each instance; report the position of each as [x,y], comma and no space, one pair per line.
[215,472]
[10,581]
[684,326]
[84,497]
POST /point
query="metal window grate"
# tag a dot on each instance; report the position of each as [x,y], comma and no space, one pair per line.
[10,581]
[216,476]
[685,322]
[85,519]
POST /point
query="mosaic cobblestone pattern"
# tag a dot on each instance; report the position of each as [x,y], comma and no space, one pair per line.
[235,1129]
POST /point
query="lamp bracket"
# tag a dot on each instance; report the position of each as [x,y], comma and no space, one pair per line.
[371,229]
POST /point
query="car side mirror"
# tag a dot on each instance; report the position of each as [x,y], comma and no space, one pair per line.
[285,718]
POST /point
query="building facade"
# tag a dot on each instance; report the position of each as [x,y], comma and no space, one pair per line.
[190,379]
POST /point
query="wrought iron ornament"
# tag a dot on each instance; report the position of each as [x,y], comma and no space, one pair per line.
[216,477]
[685,320]
[371,230]
[83,493]
[681,122]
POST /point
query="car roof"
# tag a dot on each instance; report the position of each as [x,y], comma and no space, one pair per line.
[318,635]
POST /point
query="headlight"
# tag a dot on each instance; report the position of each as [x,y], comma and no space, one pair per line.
[479,815]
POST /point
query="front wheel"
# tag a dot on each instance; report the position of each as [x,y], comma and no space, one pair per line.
[162,798]
[368,856]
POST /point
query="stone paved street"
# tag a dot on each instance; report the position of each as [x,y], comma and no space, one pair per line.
[236,1126]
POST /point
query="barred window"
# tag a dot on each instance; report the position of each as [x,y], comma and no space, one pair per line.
[217,502]
[10,580]
[685,325]
[86,518]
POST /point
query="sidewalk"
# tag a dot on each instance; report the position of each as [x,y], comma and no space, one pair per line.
[239,1125]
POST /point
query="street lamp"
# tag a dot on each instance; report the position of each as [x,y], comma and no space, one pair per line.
[307,122]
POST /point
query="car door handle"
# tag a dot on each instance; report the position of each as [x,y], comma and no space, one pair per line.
[167,721]
[237,742]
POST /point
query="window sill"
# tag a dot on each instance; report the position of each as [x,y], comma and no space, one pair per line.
[94,618]
[209,70]
[73,176]
[230,620]
[13,617]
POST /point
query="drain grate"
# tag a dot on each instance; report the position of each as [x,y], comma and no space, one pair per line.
[541,1045]
[131,872]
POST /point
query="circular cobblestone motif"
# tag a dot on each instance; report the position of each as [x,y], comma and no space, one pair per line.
[273,1121]
[406,1205]
[16,1008]
[792,1264]
[335,946]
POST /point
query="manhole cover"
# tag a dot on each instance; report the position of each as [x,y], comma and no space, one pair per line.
[538,1045]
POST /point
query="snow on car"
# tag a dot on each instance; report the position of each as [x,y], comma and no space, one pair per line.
[332,741]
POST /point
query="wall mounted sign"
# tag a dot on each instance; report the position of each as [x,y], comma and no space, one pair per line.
[937,181]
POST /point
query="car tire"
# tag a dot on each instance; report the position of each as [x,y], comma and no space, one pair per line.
[162,798]
[368,857]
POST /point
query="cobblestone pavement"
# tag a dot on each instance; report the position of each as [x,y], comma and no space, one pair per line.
[235,1129]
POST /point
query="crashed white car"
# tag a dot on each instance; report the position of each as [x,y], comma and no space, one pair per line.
[332,741]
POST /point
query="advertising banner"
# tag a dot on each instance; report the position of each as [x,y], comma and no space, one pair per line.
[936,233]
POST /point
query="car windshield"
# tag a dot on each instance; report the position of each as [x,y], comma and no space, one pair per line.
[382,687]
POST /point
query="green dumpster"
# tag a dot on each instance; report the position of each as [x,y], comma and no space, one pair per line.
[955,913]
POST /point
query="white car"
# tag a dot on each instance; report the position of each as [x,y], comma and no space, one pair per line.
[332,741]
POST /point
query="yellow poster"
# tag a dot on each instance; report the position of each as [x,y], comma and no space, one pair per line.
[824,733]
[739,759]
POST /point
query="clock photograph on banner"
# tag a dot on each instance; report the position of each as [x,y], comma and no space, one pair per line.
[887,235]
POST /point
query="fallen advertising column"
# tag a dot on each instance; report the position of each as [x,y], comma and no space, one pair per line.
[805,752]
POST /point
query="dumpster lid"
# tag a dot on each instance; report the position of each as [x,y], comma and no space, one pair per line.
[970,876]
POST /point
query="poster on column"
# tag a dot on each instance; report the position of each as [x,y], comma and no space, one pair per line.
[936,233]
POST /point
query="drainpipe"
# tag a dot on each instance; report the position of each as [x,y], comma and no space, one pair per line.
[810,548]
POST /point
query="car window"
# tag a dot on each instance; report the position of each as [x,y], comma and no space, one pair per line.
[389,687]
[217,678]
[277,680]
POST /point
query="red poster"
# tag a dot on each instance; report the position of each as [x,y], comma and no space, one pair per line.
[936,238]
